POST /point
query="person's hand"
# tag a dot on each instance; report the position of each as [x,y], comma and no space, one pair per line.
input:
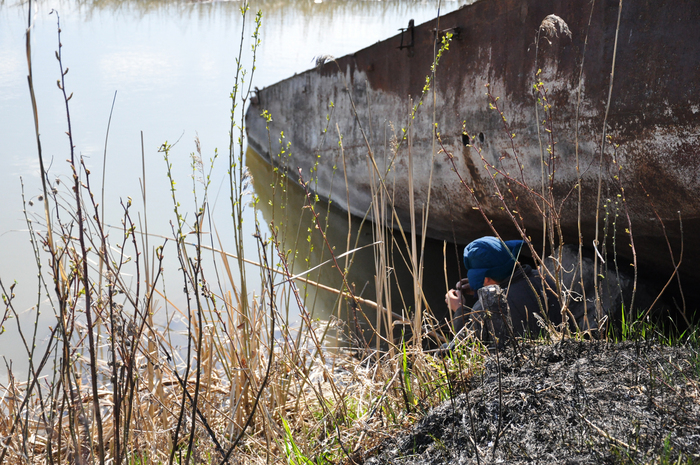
[453,299]
[464,287]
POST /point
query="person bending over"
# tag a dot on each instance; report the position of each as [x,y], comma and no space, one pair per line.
[510,294]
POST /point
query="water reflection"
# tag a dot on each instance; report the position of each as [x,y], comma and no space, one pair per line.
[284,206]
[323,8]
[172,64]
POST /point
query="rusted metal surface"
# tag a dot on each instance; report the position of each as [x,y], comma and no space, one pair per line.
[653,118]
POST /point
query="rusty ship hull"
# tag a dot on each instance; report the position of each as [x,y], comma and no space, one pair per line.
[622,112]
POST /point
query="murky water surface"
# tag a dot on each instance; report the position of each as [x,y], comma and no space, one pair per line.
[172,67]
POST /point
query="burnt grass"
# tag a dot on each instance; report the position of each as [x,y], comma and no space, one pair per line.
[570,402]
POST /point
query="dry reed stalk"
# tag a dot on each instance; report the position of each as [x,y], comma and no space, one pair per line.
[417,316]
[596,242]
[381,276]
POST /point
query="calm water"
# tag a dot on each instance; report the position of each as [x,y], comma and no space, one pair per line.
[172,66]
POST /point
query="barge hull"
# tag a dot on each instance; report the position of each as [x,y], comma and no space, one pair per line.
[648,69]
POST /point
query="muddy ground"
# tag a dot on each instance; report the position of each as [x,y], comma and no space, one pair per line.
[572,402]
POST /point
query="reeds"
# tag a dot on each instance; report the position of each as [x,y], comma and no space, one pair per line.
[233,378]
